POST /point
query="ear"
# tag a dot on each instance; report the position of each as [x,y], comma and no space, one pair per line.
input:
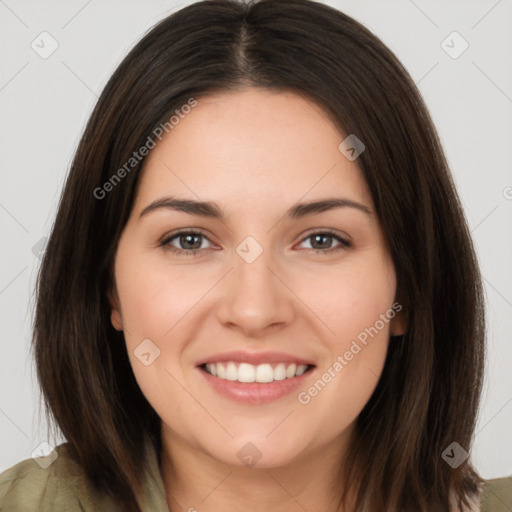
[115,315]
[398,323]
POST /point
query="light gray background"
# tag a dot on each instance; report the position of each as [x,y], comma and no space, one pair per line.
[46,102]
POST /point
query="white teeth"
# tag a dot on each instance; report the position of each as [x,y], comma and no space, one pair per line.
[231,372]
[244,372]
[290,371]
[300,370]
[212,368]
[264,373]
[280,372]
[221,371]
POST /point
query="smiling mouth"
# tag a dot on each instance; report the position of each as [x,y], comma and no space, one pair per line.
[261,373]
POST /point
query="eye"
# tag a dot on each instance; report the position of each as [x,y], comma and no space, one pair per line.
[191,242]
[323,242]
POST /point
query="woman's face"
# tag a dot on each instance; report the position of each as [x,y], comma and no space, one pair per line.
[266,291]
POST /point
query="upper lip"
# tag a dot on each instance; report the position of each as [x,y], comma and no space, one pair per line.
[254,358]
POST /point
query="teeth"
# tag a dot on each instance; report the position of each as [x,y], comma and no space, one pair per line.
[221,371]
[231,371]
[264,373]
[280,372]
[244,372]
[300,370]
[290,371]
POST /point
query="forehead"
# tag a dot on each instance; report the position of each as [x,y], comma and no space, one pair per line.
[252,145]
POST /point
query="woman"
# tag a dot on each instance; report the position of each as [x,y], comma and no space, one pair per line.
[257,369]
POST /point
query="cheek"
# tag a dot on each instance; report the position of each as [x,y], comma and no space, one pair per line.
[352,299]
[156,304]
[358,308]
[154,299]
[152,302]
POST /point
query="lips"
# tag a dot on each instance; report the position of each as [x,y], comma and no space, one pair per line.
[254,378]
[255,358]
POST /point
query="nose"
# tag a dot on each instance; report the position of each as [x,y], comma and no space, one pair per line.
[255,297]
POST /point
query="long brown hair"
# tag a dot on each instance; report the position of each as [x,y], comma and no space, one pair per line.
[429,391]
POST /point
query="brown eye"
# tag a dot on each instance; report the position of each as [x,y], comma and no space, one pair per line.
[322,241]
[189,242]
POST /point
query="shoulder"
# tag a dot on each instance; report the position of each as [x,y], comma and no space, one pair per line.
[497,495]
[53,483]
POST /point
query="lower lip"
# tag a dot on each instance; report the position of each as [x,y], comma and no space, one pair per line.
[255,393]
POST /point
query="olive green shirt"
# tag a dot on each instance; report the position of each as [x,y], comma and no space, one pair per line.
[34,486]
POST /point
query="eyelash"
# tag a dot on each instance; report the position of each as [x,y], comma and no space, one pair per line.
[344,244]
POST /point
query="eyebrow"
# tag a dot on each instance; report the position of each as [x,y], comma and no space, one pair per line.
[212,210]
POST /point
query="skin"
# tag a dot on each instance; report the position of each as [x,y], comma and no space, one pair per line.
[256,153]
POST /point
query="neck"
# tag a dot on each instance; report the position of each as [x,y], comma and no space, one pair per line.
[195,481]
